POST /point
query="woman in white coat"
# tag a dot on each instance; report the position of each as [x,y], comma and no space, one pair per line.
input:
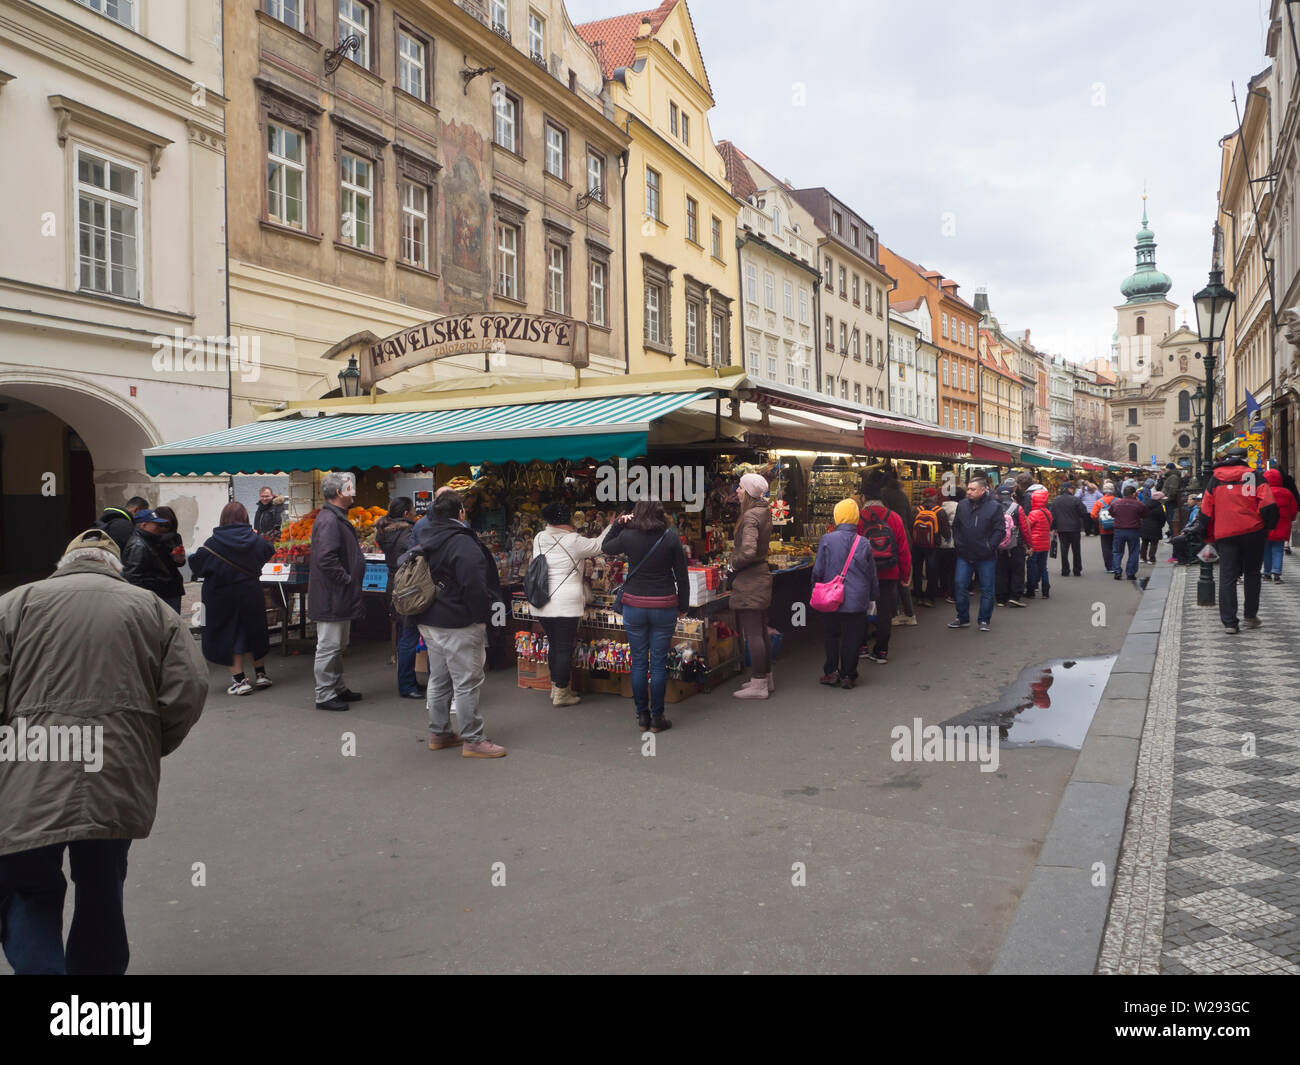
[565,553]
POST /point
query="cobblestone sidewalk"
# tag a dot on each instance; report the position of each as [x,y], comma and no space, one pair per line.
[1209,872]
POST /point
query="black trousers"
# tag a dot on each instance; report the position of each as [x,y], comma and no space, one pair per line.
[562,634]
[843,634]
[947,566]
[925,585]
[1010,583]
[1147,552]
[1240,556]
[886,608]
[753,626]
[1070,541]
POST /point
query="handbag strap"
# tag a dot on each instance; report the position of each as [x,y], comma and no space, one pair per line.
[852,552]
[628,576]
[227,561]
[556,542]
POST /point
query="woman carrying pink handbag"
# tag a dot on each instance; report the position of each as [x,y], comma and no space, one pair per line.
[844,591]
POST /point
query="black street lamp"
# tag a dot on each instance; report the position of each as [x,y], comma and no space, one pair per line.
[1198,405]
[350,379]
[1213,306]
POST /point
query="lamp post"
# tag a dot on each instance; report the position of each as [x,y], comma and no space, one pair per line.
[1198,405]
[1213,306]
[350,379]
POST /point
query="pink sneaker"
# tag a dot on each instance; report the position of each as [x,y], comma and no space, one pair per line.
[483,749]
[440,741]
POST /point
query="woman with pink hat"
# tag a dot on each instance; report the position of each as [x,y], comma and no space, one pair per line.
[751,582]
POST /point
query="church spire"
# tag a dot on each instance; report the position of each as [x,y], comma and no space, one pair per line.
[1146,283]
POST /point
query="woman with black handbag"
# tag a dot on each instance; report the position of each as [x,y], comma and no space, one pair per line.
[234,608]
[751,583]
[565,551]
[655,592]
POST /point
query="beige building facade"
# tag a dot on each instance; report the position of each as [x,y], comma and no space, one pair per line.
[397,162]
[113,325]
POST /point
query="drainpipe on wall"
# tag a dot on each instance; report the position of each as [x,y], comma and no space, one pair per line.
[740,298]
[622,195]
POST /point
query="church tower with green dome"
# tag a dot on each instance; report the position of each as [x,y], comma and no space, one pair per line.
[1146,317]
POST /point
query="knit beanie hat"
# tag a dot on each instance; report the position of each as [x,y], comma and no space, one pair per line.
[1108,488]
[846,512]
[754,485]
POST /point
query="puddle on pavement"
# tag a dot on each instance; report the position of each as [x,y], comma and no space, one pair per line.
[1049,705]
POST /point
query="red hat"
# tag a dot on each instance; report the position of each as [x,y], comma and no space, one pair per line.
[931,493]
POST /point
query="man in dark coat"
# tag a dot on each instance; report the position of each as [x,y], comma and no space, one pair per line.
[270,515]
[338,569]
[978,529]
[1069,516]
[147,560]
[455,626]
[393,537]
[118,522]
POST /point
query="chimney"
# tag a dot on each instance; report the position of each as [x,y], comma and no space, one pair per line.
[982,301]
[644,30]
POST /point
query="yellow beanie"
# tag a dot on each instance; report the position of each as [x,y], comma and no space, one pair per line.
[846,512]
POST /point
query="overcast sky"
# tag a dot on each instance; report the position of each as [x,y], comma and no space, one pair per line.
[1030,127]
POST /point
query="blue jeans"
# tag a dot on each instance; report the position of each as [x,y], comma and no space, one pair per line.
[1126,538]
[987,570]
[1273,557]
[649,634]
[408,639]
[1038,572]
[32,889]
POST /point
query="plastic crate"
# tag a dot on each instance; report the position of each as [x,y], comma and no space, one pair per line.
[376,578]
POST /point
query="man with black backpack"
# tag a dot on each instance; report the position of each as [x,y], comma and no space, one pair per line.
[454,627]
[885,532]
[930,529]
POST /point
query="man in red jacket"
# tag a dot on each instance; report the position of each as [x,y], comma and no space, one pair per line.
[1240,511]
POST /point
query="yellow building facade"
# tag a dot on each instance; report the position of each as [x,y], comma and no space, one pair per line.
[680,227]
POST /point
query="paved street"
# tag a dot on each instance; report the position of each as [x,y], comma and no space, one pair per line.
[1209,877]
[613,861]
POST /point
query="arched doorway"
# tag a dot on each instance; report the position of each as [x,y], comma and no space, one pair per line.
[68,447]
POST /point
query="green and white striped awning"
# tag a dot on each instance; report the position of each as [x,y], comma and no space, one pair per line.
[614,427]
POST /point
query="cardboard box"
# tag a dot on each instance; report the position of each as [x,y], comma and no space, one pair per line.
[676,691]
[534,675]
[606,683]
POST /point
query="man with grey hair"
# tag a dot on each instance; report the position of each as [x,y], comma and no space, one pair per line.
[80,750]
[338,570]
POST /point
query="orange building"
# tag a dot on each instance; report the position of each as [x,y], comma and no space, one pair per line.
[954,326]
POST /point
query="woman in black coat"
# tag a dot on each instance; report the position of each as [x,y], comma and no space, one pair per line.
[234,623]
[1153,526]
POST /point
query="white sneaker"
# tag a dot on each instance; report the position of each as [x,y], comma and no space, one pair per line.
[263,681]
[240,687]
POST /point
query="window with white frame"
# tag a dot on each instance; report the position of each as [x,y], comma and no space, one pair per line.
[287,11]
[844,285]
[508,260]
[880,351]
[412,64]
[354,21]
[830,333]
[500,15]
[804,375]
[857,393]
[286,176]
[844,388]
[856,290]
[596,175]
[837,223]
[844,336]
[769,290]
[751,282]
[803,306]
[536,35]
[653,302]
[828,276]
[357,201]
[686,128]
[598,275]
[108,225]
[945,370]
[830,385]
[123,11]
[692,329]
[720,356]
[788,294]
[506,106]
[771,367]
[945,324]
[674,114]
[752,348]
[556,150]
[717,237]
[857,344]
[556,275]
[415,224]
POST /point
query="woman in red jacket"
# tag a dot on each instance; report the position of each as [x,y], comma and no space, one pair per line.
[1040,543]
[1281,534]
[893,562]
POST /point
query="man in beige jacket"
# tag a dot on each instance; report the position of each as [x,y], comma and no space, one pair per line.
[98,680]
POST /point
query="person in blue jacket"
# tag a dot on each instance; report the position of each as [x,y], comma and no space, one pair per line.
[846,627]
